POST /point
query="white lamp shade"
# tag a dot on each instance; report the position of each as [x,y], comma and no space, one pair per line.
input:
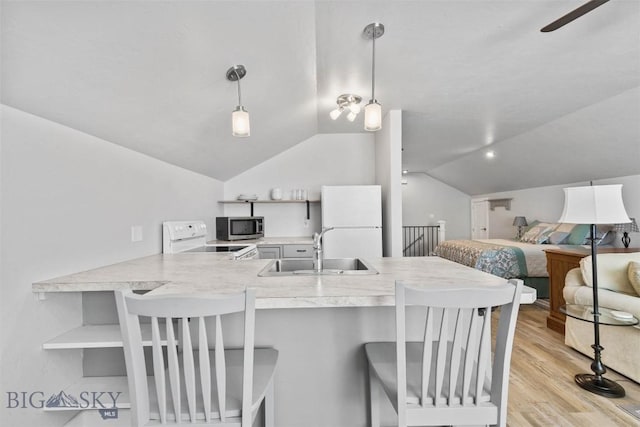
[240,123]
[372,116]
[597,204]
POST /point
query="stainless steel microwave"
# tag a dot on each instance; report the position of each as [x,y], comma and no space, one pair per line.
[239,227]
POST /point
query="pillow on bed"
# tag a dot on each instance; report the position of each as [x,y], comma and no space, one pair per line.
[558,237]
[531,235]
[544,236]
[530,226]
[538,234]
[564,227]
[604,235]
[578,234]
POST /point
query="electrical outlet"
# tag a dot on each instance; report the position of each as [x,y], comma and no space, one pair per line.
[306,223]
[136,233]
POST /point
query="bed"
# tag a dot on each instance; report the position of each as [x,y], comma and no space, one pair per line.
[524,258]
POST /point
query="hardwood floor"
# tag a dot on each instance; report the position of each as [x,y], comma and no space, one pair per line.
[541,389]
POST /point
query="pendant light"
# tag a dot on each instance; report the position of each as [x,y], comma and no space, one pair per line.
[373,110]
[240,117]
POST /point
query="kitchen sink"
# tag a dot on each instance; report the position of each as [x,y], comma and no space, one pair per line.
[331,266]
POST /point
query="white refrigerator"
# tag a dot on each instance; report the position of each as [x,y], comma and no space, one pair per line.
[355,214]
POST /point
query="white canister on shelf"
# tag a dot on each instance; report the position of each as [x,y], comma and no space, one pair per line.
[276,194]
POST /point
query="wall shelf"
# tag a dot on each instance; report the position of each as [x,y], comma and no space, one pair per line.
[252,202]
[496,203]
[269,201]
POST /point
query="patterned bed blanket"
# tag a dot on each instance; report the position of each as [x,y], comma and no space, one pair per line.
[500,260]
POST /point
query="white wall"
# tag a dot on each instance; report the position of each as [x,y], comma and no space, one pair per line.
[328,159]
[388,175]
[546,203]
[68,202]
[425,200]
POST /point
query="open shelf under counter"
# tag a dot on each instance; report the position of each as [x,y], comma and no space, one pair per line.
[98,336]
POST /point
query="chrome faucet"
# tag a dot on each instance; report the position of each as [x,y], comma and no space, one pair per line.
[318,254]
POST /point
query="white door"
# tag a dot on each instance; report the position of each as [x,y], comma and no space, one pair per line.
[479,219]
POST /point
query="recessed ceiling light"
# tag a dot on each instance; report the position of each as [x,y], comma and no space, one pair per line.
[490,154]
[404,172]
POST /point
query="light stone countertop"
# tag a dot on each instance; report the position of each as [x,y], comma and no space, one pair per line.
[215,273]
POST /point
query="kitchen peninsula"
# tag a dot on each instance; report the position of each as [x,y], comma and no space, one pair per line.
[215,273]
[318,323]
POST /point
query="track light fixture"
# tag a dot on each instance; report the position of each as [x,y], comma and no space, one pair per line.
[349,102]
[373,110]
[240,126]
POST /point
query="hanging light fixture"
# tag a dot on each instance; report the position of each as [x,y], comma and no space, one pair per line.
[240,117]
[347,101]
[373,110]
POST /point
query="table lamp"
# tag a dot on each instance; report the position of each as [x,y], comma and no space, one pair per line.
[520,222]
[626,228]
[596,204]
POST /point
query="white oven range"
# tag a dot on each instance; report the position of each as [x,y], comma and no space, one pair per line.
[191,236]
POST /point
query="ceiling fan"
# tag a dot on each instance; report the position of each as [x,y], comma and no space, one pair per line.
[574,14]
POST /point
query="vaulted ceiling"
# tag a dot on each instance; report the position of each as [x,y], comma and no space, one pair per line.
[469,76]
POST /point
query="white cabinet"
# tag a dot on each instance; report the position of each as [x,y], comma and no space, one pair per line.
[270,251]
[297,251]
